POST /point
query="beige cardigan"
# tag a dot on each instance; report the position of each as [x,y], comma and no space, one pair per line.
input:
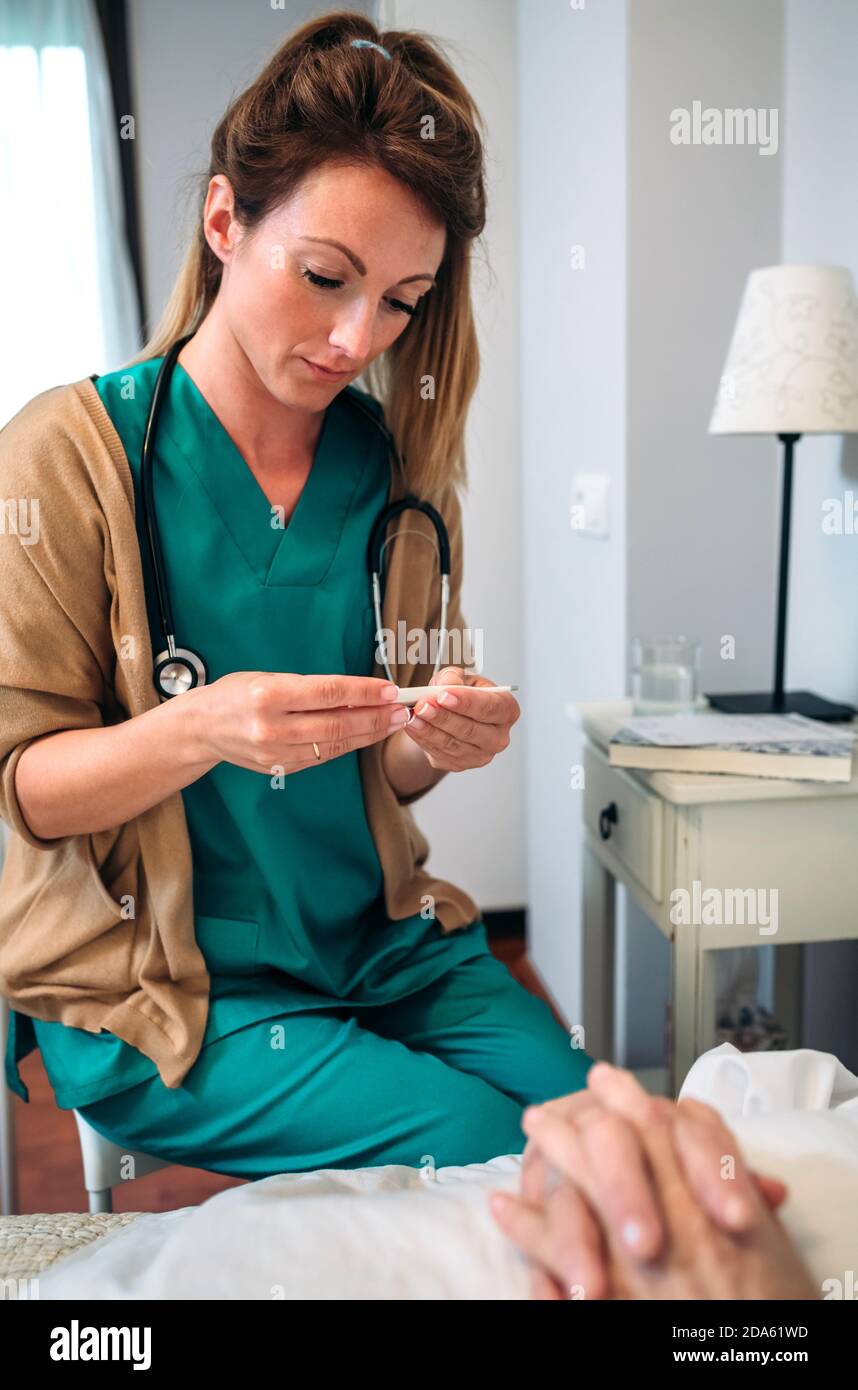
[67,951]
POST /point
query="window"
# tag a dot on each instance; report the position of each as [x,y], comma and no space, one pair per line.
[68,304]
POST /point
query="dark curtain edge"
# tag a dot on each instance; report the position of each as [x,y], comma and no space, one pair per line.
[113,21]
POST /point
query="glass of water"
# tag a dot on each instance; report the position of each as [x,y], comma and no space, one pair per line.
[665,675]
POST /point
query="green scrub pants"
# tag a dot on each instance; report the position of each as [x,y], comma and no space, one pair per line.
[441,1077]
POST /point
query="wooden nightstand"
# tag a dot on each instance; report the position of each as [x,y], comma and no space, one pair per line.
[657,832]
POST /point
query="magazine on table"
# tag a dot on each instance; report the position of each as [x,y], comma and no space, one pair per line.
[762,745]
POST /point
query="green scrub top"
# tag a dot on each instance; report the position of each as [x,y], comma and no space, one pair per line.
[287,883]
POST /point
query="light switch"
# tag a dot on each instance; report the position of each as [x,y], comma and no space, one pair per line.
[588,513]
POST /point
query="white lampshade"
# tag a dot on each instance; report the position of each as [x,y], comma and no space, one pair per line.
[792,367]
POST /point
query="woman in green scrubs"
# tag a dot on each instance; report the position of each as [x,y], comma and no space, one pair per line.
[334,1039]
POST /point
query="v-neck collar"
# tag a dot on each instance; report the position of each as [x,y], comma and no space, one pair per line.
[301,553]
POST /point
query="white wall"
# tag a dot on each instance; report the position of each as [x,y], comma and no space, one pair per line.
[475,820]
[572,122]
[632,348]
[703,512]
[821,225]
[188,60]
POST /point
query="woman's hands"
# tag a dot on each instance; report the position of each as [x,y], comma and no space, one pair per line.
[457,730]
[626,1195]
[263,720]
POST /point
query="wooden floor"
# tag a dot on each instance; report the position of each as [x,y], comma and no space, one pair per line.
[49,1166]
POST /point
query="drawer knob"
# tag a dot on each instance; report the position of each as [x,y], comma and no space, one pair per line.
[608,817]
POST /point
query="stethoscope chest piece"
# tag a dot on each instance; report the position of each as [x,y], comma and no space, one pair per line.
[178,671]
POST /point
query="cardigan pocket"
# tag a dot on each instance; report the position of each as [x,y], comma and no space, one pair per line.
[120,925]
[112,842]
[67,936]
[229,944]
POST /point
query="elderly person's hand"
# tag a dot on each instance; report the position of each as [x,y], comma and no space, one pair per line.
[626,1195]
[458,730]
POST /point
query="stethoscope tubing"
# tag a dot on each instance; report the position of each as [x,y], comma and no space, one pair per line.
[178,669]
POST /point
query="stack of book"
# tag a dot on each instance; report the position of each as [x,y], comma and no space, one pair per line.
[762,745]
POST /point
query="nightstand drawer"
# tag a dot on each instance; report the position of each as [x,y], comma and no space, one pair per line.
[622,814]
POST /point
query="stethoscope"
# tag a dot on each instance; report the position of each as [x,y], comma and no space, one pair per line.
[178,669]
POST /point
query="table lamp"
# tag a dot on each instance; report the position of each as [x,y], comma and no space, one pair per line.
[791,369]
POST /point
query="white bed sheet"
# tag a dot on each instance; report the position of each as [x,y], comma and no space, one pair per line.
[396,1233]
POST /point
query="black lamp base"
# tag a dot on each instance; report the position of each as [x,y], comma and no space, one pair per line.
[794,702]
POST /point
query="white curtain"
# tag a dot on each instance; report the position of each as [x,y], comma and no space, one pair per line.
[68,305]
